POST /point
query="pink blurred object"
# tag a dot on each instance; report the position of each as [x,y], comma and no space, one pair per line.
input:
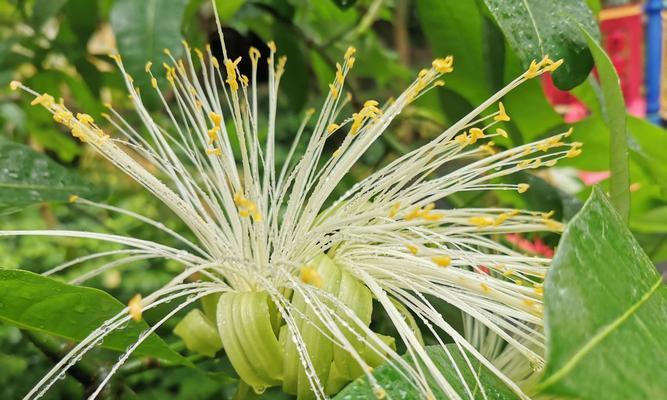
[622,37]
[536,246]
[592,177]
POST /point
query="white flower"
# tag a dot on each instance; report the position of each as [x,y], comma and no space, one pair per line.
[262,232]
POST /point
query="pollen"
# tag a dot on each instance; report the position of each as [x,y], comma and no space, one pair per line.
[45,100]
[134,307]
[481,221]
[72,198]
[350,52]
[85,118]
[443,65]
[213,134]
[502,133]
[148,66]
[502,114]
[394,210]
[533,70]
[412,248]
[475,134]
[310,276]
[522,187]
[573,152]
[538,289]
[214,152]
[442,260]
[216,119]
[332,127]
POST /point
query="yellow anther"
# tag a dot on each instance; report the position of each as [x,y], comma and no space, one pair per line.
[116,58]
[502,115]
[134,307]
[332,127]
[439,83]
[63,117]
[550,163]
[503,217]
[553,225]
[310,276]
[528,302]
[309,112]
[257,216]
[488,148]
[538,289]
[412,248]
[336,153]
[462,139]
[14,85]
[518,282]
[370,104]
[553,65]
[213,134]
[185,45]
[379,392]
[85,118]
[475,134]
[533,70]
[214,62]
[244,213]
[148,66]
[280,68]
[349,52]
[334,90]
[442,260]
[485,288]
[394,210]
[72,198]
[45,100]
[244,80]
[548,214]
[154,83]
[429,206]
[422,73]
[443,65]
[272,46]
[568,133]
[573,152]
[77,132]
[214,152]
[433,216]
[481,221]
[417,212]
[166,51]
[215,118]
[502,132]
[199,54]
[522,187]
[254,54]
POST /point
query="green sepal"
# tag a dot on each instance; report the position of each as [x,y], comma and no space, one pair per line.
[244,325]
[198,333]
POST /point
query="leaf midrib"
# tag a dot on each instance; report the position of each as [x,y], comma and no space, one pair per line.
[600,336]
[537,32]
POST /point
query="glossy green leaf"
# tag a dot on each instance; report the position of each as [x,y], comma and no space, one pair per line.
[35,302]
[28,177]
[143,29]
[536,28]
[398,387]
[227,8]
[613,114]
[455,28]
[606,312]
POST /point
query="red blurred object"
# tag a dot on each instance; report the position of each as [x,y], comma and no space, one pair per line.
[536,246]
[622,37]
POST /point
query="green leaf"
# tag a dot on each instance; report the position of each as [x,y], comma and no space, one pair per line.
[345,3]
[455,28]
[613,114]
[536,28]
[46,305]
[143,30]
[399,388]
[45,9]
[28,177]
[227,8]
[606,312]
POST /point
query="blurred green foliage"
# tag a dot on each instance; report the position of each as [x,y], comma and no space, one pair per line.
[61,47]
